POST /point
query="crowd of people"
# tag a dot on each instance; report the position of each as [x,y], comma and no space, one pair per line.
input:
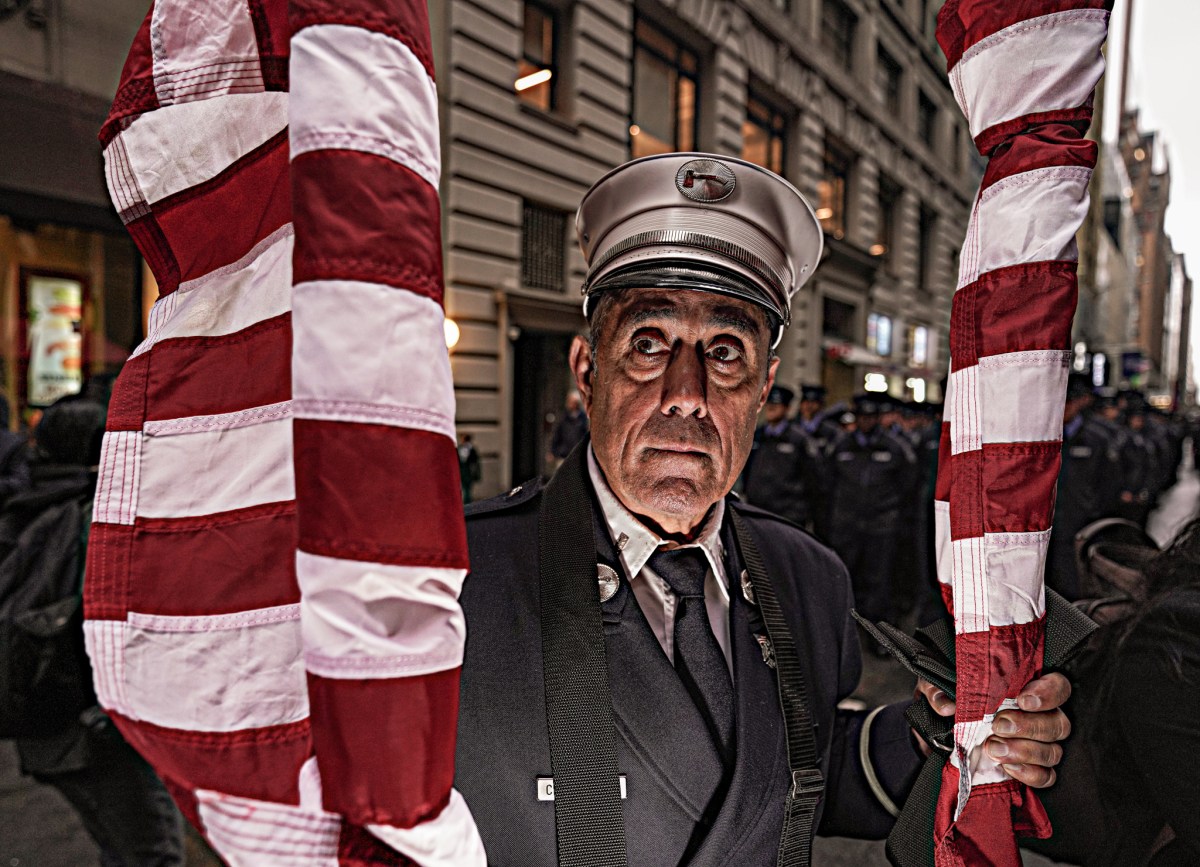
[860,476]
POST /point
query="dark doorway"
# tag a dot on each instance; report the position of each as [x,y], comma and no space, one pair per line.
[541,381]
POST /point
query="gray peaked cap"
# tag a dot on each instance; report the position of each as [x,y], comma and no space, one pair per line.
[703,222]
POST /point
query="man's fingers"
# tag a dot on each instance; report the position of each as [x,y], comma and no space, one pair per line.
[1034,776]
[1047,692]
[1019,751]
[941,703]
[1047,727]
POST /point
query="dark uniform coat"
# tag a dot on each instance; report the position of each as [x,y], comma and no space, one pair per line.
[681,806]
[783,474]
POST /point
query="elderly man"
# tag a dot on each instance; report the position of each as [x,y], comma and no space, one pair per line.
[652,668]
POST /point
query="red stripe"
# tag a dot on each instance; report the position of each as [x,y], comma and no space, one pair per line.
[1020,480]
[363,217]
[148,235]
[351,719]
[270,18]
[127,407]
[1003,659]
[964,23]
[941,489]
[1015,309]
[215,223]
[966,495]
[358,847]
[402,20]
[378,493]
[219,564]
[987,830]
[263,763]
[1079,117]
[226,373]
[135,93]
[106,578]
[1051,144]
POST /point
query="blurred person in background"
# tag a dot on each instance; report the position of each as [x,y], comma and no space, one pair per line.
[63,738]
[14,457]
[782,474]
[569,430]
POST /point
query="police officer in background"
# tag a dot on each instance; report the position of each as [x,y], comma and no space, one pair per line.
[1089,483]
[871,479]
[1135,455]
[629,666]
[812,418]
[783,472]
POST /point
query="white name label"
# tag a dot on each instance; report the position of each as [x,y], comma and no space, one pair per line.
[545,788]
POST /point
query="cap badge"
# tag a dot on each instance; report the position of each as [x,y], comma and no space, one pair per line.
[705,180]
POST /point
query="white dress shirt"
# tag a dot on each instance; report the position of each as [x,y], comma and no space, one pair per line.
[635,544]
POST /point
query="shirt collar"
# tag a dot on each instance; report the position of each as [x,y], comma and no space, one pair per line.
[640,541]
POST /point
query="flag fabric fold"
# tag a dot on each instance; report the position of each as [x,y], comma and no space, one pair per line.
[278,543]
[1023,73]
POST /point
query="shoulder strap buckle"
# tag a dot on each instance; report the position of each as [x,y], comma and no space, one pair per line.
[807,781]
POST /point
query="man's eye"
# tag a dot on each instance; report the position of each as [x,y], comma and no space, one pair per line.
[648,345]
[725,352]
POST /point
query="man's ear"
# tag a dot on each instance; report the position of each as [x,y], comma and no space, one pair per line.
[772,369]
[583,368]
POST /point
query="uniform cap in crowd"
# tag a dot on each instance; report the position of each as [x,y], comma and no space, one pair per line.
[866,404]
[699,221]
[812,392]
[780,394]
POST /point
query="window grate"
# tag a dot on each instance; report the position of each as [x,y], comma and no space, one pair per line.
[543,248]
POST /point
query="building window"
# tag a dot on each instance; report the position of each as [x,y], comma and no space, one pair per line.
[887,80]
[764,135]
[879,334]
[543,247]
[838,24]
[885,226]
[665,87]
[956,148]
[536,71]
[838,319]
[926,118]
[918,345]
[832,190]
[926,231]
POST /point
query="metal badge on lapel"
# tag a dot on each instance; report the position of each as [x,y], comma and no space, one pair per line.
[608,580]
[768,651]
[747,588]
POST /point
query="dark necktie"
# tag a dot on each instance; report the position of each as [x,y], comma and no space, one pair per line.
[698,657]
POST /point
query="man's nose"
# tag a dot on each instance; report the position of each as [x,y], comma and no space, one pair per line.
[684,385]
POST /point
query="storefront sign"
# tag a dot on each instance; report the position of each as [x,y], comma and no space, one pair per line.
[54,316]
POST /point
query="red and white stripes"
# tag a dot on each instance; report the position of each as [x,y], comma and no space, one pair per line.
[278,545]
[1023,73]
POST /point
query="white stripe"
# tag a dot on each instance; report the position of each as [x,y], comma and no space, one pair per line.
[941,535]
[962,408]
[250,833]
[223,421]
[220,680]
[197,44]
[123,187]
[369,620]
[1015,562]
[1032,217]
[1043,64]
[178,146]
[255,288]
[120,468]
[970,585]
[105,644]
[448,840]
[341,328]
[214,622]
[215,471]
[1022,395]
[363,91]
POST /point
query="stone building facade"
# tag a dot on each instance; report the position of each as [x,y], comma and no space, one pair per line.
[846,98]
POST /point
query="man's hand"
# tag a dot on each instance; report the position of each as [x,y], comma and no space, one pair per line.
[1025,741]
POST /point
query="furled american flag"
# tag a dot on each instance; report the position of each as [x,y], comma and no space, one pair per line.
[278,545]
[1023,72]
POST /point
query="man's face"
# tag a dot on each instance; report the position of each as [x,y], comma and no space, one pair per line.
[809,408]
[673,396]
[867,422]
[775,412]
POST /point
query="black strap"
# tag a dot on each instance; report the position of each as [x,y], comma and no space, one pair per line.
[795,843]
[589,824]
